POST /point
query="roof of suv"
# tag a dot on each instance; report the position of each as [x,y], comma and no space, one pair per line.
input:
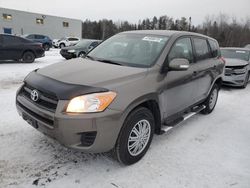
[166,33]
[235,48]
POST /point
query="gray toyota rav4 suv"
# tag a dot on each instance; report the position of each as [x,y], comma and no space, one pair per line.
[131,86]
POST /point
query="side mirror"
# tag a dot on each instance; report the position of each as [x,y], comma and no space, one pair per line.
[178,64]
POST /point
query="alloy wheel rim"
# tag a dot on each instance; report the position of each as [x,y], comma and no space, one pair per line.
[213,98]
[139,137]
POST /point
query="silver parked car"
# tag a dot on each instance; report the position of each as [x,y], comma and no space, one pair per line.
[237,68]
[80,49]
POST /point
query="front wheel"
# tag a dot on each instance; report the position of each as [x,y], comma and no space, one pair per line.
[135,136]
[62,45]
[211,100]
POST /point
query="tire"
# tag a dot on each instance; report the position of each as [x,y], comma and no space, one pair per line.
[211,100]
[245,81]
[28,57]
[140,117]
[81,54]
[46,47]
[61,45]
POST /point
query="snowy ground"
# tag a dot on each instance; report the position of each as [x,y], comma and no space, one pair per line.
[207,151]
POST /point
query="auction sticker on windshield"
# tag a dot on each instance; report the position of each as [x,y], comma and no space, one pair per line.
[153,39]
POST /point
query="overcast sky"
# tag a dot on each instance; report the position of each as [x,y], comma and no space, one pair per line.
[133,10]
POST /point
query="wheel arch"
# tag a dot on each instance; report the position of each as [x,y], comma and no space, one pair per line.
[217,81]
[149,101]
[29,50]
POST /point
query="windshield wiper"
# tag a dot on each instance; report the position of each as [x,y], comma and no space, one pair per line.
[109,61]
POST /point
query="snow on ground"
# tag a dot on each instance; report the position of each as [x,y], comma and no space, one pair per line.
[206,151]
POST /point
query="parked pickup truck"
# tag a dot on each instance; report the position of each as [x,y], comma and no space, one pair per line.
[131,86]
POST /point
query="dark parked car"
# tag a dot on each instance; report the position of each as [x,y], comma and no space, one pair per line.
[80,49]
[18,48]
[45,40]
[237,70]
[129,87]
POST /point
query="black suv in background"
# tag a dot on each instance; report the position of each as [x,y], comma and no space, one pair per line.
[17,48]
[45,40]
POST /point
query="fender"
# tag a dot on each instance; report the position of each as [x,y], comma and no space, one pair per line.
[212,85]
[140,100]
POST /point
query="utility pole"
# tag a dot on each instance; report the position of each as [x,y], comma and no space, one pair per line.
[103,28]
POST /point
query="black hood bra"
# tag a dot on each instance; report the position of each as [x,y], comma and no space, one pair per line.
[63,91]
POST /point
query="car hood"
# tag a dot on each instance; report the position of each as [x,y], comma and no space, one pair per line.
[92,73]
[235,62]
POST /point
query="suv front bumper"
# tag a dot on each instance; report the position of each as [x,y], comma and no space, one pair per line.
[234,80]
[93,132]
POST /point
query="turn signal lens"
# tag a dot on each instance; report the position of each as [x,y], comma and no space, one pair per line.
[96,102]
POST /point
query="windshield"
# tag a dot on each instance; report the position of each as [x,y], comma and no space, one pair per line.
[83,43]
[235,54]
[138,50]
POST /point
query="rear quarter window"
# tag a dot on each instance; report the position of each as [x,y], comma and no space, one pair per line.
[201,49]
[215,49]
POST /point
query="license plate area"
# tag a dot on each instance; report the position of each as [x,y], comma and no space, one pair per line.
[30,120]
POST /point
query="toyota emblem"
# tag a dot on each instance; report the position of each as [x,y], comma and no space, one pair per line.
[34,95]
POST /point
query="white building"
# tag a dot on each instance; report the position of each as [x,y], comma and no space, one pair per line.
[20,23]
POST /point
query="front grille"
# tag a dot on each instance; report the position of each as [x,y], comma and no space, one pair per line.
[46,101]
[235,70]
[41,118]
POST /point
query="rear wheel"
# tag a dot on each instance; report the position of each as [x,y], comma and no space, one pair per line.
[28,57]
[211,100]
[135,137]
[46,47]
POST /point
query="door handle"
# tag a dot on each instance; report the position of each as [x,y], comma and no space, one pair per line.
[195,73]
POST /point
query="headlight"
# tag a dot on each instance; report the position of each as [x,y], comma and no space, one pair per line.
[96,102]
[71,51]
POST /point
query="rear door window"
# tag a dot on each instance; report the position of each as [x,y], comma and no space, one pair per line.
[73,39]
[39,37]
[94,44]
[30,37]
[201,49]
[181,49]
[10,40]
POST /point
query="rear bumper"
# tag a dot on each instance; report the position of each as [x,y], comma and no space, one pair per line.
[92,133]
[234,80]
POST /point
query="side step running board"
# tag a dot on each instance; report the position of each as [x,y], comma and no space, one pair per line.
[195,110]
